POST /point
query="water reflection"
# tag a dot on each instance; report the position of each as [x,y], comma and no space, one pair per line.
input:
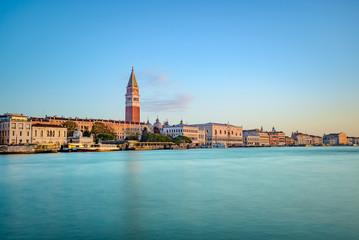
[133,228]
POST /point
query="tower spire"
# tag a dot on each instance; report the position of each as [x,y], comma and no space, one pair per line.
[132,81]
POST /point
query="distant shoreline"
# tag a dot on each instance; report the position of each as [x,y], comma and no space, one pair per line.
[27,151]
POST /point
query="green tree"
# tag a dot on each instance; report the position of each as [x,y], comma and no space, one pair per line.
[100,128]
[105,137]
[71,127]
[181,139]
[87,133]
[155,137]
[133,137]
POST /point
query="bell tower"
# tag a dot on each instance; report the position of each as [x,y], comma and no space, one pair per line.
[132,99]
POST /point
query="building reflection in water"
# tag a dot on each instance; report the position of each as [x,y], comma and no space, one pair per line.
[133,201]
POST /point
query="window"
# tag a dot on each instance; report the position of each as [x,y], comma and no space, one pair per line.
[59,134]
[13,125]
[27,126]
[28,133]
[42,133]
[35,133]
[21,126]
[13,133]
[53,133]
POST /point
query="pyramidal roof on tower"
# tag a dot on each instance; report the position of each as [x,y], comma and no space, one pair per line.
[132,81]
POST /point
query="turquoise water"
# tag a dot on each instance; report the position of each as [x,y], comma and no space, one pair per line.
[246,193]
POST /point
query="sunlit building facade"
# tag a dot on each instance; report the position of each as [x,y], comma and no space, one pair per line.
[15,129]
[197,136]
[226,134]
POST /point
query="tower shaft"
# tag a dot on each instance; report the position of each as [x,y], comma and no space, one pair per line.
[132,100]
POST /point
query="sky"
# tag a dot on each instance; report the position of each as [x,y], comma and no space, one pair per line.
[292,64]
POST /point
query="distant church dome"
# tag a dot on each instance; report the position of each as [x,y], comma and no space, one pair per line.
[149,125]
[77,134]
[157,125]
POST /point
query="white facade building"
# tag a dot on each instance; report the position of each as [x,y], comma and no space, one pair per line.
[226,134]
[197,136]
[14,129]
[48,134]
[251,139]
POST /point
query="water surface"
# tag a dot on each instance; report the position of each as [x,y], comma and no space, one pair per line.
[245,193]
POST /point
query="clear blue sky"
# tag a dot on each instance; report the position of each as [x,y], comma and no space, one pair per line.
[289,64]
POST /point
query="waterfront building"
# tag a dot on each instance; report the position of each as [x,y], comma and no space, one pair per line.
[79,138]
[353,140]
[276,138]
[122,129]
[289,141]
[335,138]
[251,138]
[316,140]
[273,139]
[217,133]
[15,129]
[263,136]
[301,138]
[202,137]
[132,100]
[197,136]
[48,134]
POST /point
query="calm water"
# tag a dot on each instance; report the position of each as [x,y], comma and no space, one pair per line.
[262,193]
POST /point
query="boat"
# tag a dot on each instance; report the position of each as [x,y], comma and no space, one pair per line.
[99,148]
[219,145]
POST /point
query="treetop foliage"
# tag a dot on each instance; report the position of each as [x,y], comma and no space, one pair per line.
[71,127]
[181,139]
[155,137]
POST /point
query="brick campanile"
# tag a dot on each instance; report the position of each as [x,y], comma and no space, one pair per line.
[132,99]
